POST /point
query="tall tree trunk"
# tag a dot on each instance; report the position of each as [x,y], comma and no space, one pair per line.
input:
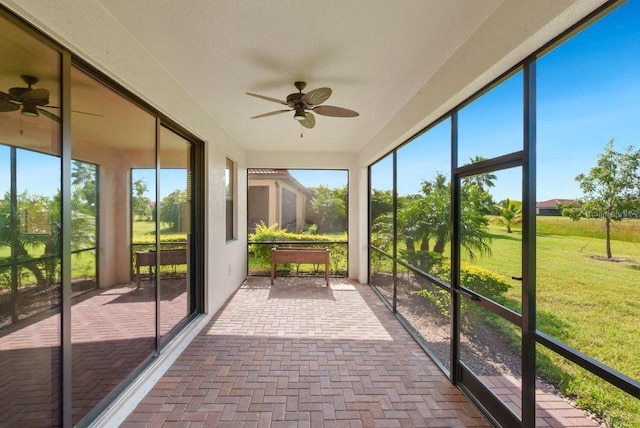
[439,246]
[411,249]
[424,245]
[608,229]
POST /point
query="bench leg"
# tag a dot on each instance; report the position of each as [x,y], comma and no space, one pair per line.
[138,276]
[273,272]
[326,273]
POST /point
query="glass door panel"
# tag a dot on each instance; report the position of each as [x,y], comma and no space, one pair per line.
[113,317]
[490,293]
[381,236]
[30,240]
[175,229]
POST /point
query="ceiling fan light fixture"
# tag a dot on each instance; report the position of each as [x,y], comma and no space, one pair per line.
[299,113]
[30,110]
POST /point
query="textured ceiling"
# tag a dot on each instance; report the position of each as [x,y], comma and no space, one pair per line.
[400,63]
[374,55]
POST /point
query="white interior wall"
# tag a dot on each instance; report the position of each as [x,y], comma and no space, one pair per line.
[103,43]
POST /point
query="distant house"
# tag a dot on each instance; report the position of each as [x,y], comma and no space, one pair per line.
[550,207]
[275,196]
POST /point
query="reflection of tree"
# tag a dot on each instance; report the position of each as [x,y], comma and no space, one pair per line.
[142,206]
[171,208]
[610,188]
[34,227]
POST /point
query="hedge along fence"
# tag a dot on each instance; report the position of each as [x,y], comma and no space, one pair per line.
[481,281]
[262,241]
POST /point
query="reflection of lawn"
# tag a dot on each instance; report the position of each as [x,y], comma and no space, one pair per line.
[145,231]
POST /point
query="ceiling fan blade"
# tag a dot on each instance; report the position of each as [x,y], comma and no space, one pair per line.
[309,120]
[317,96]
[270,114]
[268,98]
[6,104]
[335,111]
[16,93]
[49,115]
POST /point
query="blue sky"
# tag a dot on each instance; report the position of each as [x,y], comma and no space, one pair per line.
[588,93]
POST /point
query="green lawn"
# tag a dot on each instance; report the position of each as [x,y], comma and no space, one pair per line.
[589,304]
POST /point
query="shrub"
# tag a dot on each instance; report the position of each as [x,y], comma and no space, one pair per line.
[481,281]
[274,234]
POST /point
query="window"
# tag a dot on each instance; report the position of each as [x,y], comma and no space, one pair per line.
[229,193]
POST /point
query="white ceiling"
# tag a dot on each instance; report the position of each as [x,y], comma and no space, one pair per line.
[399,63]
[374,55]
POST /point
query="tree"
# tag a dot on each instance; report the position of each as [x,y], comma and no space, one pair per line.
[610,188]
[427,218]
[327,208]
[484,181]
[510,213]
[381,203]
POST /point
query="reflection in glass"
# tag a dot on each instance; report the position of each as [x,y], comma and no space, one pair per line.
[585,298]
[84,216]
[229,195]
[114,324]
[491,125]
[490,348]
[175,229]
[381,226]
[491,236]
[30,220]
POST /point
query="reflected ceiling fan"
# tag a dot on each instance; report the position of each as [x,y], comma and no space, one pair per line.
[304,104]
[30,100]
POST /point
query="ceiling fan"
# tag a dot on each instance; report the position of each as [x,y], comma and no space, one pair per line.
[304,104]
[30,100]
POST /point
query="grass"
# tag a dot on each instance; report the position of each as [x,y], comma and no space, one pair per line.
[589,304]
[624,230]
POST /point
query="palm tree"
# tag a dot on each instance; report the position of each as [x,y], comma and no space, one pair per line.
[483,181]
[510,212]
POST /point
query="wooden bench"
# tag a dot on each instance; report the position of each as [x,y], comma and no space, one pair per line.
[316,256]
[174,256]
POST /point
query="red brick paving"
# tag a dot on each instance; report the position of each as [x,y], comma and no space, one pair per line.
[304,355]
[301,354]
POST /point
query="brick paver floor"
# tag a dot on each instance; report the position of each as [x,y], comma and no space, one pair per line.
[302,354]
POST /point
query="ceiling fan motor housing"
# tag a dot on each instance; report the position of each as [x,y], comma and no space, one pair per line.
[295,99]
